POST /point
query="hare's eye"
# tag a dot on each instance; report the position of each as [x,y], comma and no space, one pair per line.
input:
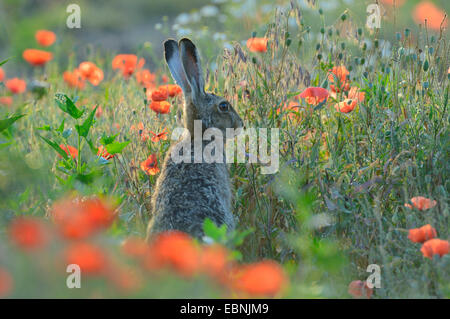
[223,106]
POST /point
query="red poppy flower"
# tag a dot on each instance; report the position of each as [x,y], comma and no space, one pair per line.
[173,249]
[257,44]
[89,71]
[135,247]
[355,94]
[28,233]
[45,38]
[214,261]
[70,150]
[160,136]
[2,75]
[150,165]
[359,289]
[127,63]
[6,282]
[314,95]
[104,153]
[74,79]
[162,107]
[6,100]
[145,78]
[419,235]
[78,219]
[159,94]
[264,278]
[341,73]
[427,10]
[16,85]
[90,258]
[435,247]
[346,106]
[172,89]
[421,203]
[37,57]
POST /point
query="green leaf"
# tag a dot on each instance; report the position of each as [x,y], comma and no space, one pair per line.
[116,147]
[61,127]
[218,234]
[45,128]
[5,123]
[67,105]
[83,129]
[105,140]
[4,61]
[55,147]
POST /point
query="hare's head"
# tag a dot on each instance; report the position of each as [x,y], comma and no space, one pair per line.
[213,111]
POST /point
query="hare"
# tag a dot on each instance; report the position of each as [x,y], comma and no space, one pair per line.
[188,192]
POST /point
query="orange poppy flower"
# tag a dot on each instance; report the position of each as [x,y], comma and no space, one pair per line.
[134,247]
[173,249]
[398,3]
[37,57]
[159,94]
[257,44]
[419,235]
[172,89]
[145,78]
[74,79]
[292,109]
[89,71]
[99,111]
[127,63]
[16,85]
[421,203]
[150,165]
[70,150]
[435,247]
[2,75]
[90,258]
[427,10]
[45,38]
[77,219]
[6,100]
[355,94]
[6,283]
[28,233]
[214,261]
[264,278]
[359,289]
[346,106]
[314,95]
[160,136]
[341,73]
[104,153]
[162,107]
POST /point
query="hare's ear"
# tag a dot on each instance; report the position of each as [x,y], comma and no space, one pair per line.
[192,67]
[172,55]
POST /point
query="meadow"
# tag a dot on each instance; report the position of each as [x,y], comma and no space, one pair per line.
[363,180]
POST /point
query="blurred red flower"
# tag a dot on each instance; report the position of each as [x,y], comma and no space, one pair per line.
[346,106]
[104,153]
[6,283]
[45,38]
[427,10]
[145,78]
[2,74]
[150,165]
[160,136]
[90,258]
[314,95]
[134,247]
[398,3]
[214,260]
[127,63]
[37,57]
[264,278]
[6,100]
[173,249]
[359,289]
[70,150]
[421,203]
[257,44]
[28,233]
[162,107]
[435,247]
[74,79]
[89,71]
[16,85]
[340,73]
[419,235]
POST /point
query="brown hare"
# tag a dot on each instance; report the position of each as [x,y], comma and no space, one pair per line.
[187,192]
